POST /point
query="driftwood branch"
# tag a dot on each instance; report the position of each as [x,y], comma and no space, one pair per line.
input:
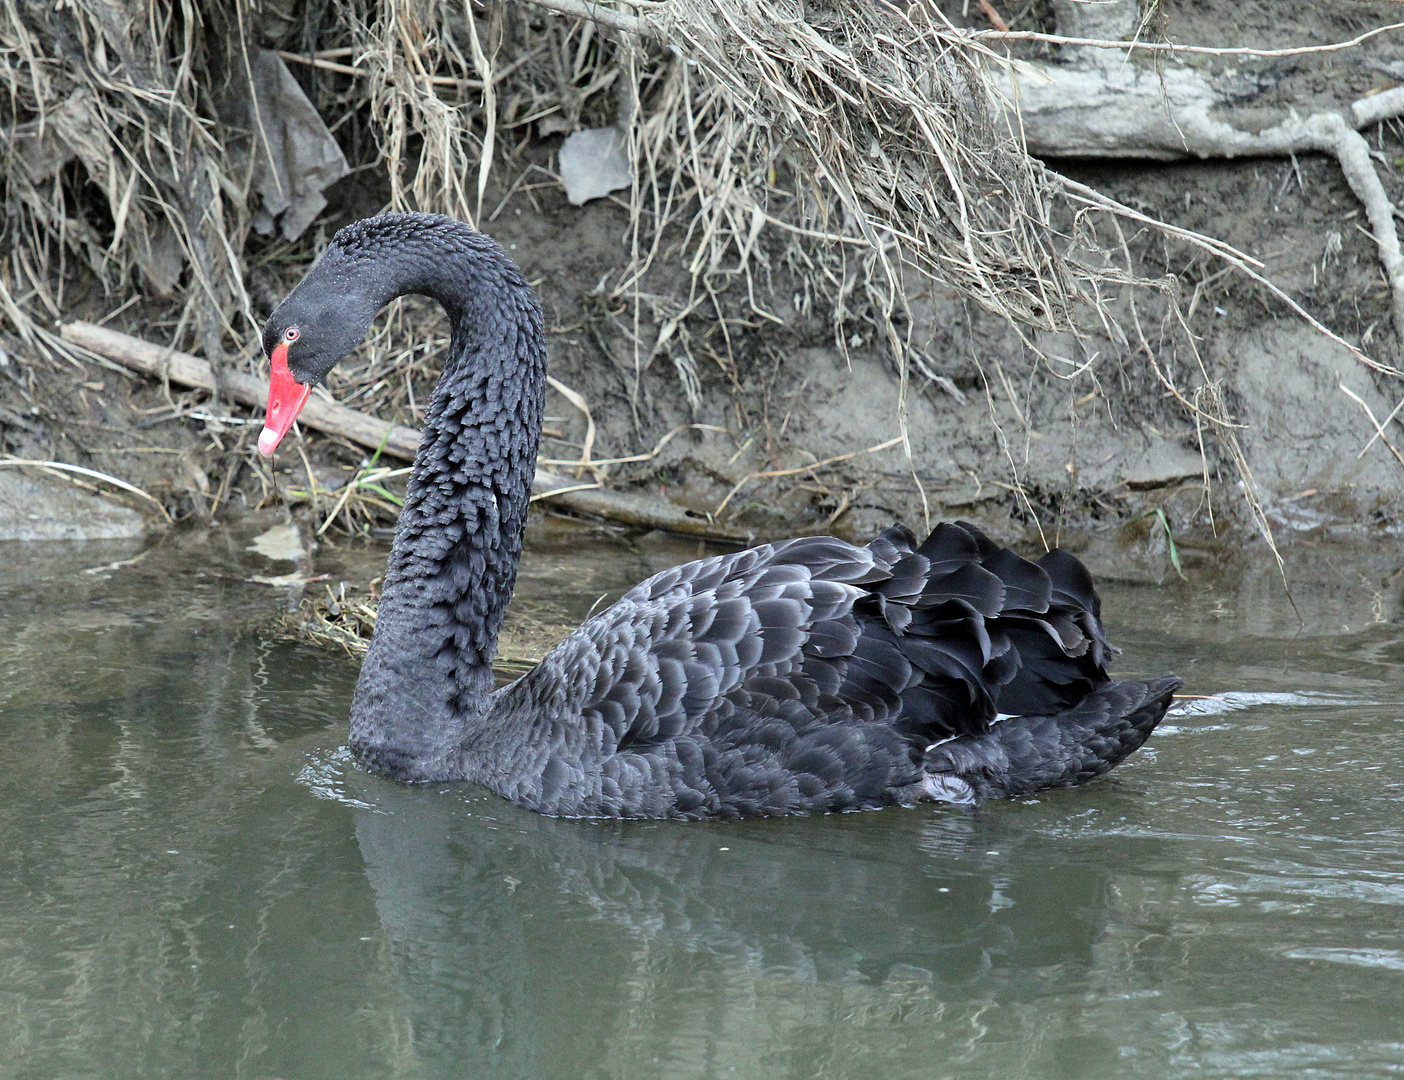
[1102,106]
[628,508]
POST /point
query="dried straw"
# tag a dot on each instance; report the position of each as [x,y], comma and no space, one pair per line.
[855,148]
[114,161]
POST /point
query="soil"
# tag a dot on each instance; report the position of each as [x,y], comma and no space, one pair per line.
[995,433]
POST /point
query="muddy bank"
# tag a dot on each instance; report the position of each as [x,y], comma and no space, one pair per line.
[998,436]
[794,413]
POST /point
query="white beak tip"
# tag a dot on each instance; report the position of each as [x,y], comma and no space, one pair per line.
[268,441]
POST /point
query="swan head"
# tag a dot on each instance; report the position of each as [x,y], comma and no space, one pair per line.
[322,320]
[367,264]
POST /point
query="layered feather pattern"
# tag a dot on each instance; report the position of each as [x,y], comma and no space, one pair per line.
[805,676]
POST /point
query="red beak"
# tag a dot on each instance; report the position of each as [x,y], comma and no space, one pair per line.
[285,399]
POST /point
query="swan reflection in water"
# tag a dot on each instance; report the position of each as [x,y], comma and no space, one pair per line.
[530,946]
[805,676]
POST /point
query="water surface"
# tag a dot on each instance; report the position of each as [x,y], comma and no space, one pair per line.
[195,882]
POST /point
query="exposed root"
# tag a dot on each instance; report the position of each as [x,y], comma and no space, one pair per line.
[1122,110]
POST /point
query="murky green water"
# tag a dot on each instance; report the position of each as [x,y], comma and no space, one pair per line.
[194,883]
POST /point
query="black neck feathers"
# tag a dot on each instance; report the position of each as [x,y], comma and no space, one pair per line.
[459,538]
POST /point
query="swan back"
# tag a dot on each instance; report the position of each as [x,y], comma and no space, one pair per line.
[803,676]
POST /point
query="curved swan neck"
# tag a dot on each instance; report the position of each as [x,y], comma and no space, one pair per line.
[428,674]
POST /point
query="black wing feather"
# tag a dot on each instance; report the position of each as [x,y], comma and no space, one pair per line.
[805,676]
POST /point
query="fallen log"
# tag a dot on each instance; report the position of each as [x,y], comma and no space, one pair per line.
[628,508]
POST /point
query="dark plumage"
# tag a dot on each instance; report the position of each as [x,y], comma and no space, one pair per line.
[800,677]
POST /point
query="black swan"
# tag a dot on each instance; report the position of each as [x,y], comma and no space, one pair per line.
[799,677]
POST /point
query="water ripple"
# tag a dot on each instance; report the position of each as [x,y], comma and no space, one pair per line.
[1236,700]
[1389,959]
[325,776]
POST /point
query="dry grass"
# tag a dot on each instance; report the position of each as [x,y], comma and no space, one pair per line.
[334,618]
[859,132]
[116,171]
[856,149]
[864,127]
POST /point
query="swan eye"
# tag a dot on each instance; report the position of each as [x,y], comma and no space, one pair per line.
[291,334]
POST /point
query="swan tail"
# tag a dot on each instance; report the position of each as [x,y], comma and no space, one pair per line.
[1024,754]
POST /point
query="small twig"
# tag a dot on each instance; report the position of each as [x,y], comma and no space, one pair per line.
[60,466]
[578,400]
[120,563]
[134,450]
[584,462]
[1093,197]
[350,486]
[483,64]
[1392,414]
[988,11]
[565,490]
[1379,429]
[842,507]
[317,60]
[771,474]
[1241,261]
[615,20]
